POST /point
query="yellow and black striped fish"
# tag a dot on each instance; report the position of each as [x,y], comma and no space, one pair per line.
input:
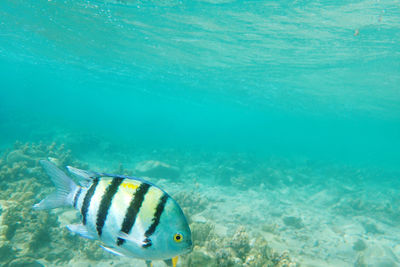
[131,217]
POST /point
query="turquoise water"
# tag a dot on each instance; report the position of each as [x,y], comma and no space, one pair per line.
[287,78]
[296,81]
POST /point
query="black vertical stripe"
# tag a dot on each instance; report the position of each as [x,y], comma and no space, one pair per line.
[157,216]
[106,203]
[133,210]
[88,197]
[76,197]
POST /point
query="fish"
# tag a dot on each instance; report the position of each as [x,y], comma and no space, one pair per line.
[130,216]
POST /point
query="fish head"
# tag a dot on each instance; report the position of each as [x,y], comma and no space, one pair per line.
[172,236]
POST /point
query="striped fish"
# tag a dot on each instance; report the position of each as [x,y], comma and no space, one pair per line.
[130,216]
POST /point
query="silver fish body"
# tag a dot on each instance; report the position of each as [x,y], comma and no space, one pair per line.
[131,217]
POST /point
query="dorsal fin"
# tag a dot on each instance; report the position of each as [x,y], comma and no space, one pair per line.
[87,175]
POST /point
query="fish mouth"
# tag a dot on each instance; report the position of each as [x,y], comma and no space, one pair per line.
[189,248]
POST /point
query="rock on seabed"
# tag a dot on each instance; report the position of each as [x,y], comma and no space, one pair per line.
[157,169]
[377,256]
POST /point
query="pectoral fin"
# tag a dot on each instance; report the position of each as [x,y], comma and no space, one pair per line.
[81,230]
[141,243]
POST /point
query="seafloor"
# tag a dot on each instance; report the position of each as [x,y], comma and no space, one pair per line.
[243,211]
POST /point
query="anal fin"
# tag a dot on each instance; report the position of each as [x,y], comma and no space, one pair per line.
[81,230]
[112,251]
[172,262]
[149,264]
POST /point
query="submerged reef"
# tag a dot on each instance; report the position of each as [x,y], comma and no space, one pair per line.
[27,237]
[39,238]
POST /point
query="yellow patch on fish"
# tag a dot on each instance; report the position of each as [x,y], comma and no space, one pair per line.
[130,186]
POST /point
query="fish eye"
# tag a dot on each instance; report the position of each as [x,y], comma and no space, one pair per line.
[178,237]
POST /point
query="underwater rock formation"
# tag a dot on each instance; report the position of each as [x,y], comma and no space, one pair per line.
[25,262]
[270,228]
[293,221]
[377,256]
[157,169]
[359,245]
[240,243]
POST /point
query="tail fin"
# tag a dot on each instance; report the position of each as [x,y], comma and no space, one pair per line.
[65,188]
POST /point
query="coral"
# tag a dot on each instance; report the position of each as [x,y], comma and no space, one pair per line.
[235,251]
[23,162]
[261,254]
[240,243]
[225,257]
[30,233]
[201,232]
[36,238]
[200,257]
[283,260]
[19,156]
[191,202]
[33,152]
[29,237]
